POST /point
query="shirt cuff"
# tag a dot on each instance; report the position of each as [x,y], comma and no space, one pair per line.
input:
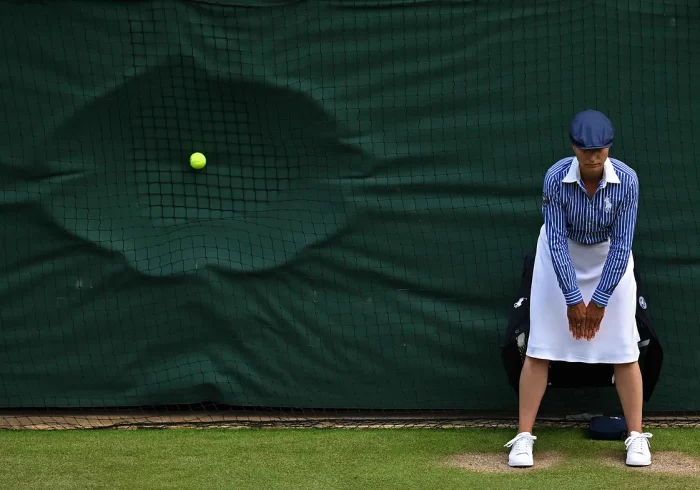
[601,298]
[573,297]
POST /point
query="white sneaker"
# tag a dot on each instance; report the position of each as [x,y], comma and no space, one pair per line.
[638,453]
[521,453]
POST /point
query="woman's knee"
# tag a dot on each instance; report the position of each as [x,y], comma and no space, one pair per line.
[536,362]
[628,365]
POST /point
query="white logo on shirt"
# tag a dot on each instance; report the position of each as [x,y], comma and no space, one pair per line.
[608,205]
[642,302]
[519,303]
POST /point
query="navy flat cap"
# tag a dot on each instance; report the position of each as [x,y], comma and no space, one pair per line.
[591,130]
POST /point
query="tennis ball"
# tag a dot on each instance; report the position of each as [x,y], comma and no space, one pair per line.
[198,161]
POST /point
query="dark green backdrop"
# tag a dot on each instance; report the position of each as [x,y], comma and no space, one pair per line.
[373,181]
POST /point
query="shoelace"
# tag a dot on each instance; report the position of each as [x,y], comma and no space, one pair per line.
[639,440]
[521,442]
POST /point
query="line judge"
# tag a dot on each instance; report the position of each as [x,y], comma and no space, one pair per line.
[584,278]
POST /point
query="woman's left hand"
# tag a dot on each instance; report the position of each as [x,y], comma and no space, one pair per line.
[594,315]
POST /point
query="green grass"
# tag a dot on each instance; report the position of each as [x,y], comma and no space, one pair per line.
[312,459]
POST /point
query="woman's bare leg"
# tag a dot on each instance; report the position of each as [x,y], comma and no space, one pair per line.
[533,383]
[628,381]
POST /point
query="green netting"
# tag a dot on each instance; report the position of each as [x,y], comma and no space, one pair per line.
[373,181]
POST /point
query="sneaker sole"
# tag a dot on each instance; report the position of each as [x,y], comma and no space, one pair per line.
[520,465]
[638,464]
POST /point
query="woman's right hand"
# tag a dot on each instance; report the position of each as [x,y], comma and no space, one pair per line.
[577,319]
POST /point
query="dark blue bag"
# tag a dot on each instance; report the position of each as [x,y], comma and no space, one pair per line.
[608,428]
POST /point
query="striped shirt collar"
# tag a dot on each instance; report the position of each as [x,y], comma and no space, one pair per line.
[609,174]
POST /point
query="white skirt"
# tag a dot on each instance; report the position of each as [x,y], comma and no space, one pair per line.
[550,338]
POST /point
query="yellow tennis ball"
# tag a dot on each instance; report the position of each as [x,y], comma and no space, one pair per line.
[198,161]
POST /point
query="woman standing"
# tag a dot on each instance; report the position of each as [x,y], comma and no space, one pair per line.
[583,277]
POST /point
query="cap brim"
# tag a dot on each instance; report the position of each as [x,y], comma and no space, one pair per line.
[592,147]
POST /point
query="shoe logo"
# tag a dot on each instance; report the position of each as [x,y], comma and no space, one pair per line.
[642,302]
[519,303]
[608,205]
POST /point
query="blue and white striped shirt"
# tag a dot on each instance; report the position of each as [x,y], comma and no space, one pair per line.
[569,213]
